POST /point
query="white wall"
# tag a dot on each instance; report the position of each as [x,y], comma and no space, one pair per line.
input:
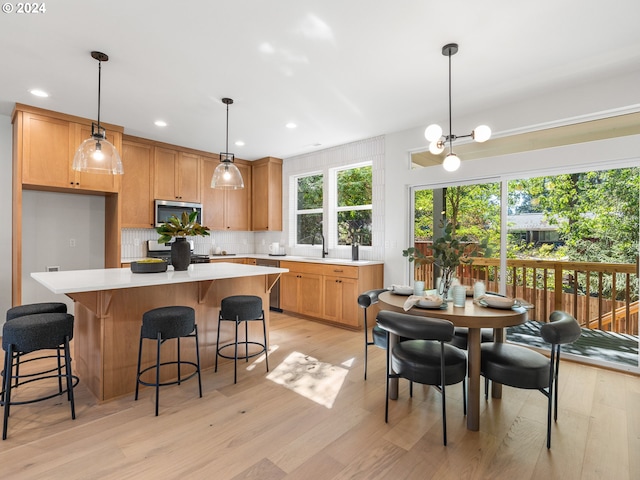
[49,222]
[582,101]
[5,201]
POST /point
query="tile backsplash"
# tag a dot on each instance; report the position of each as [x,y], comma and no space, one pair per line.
[134,242]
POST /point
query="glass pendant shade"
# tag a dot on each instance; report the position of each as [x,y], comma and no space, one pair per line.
[97,155]
[433,132]
[436,147]
[481,133]
[451,162]
[227,175]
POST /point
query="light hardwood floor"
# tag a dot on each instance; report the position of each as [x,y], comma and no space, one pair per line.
[259,429]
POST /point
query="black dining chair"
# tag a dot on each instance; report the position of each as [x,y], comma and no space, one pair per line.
[521,367]
[424,356]
[378,336]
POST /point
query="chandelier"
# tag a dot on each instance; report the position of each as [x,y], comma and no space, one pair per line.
[433,133]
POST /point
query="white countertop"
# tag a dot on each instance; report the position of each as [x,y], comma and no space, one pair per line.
[288,258]
[75,281]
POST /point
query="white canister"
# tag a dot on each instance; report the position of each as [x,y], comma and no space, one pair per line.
[274,248]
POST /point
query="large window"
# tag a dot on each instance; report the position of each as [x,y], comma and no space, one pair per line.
[344,201]
[353,205]
[309,215]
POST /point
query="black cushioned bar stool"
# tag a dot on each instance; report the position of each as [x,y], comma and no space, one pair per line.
[241,309]
[32,309]
[161,324]
[32,333]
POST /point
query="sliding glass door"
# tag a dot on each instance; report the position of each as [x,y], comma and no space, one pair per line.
[561,242]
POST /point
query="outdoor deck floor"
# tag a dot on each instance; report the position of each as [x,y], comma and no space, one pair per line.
[596,344]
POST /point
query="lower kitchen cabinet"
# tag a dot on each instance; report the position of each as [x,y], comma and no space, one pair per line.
[301,292]
[328,292]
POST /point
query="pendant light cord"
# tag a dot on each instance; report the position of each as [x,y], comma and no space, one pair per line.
[227,144]
[450,128]
[99,82]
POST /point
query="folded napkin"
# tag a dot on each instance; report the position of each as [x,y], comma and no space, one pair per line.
[414,299]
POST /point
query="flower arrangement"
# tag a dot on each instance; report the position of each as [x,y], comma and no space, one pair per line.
[448,253]
[186,226]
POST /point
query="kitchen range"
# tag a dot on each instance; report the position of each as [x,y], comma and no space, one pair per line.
[163,250]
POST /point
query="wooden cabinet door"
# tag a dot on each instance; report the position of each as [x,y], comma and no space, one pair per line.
[289,291]
[188,178]
[350,314]
[238,203]
[136,195]
[332,306]
[310,295]
[164,167]
[340,300]
[96,181]
[267,194]
[47,151]
[212,198]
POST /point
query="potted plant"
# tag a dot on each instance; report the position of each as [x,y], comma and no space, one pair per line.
[180,229]
[448,253]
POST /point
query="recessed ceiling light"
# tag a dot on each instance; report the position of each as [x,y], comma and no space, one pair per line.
[291,125]
[240,143]
[160,123]
[38,93]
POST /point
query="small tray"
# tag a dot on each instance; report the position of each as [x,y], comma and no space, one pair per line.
[434,306]
[151,267]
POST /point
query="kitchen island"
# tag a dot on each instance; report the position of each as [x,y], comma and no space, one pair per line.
[108,309]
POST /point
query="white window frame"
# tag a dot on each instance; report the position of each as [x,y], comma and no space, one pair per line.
[310,211]
[333,209]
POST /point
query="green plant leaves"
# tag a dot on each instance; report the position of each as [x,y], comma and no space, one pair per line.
[186,226]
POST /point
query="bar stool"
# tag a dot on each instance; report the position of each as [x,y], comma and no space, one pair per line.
[161,324]
[32,333]
[239,309]
[32,309]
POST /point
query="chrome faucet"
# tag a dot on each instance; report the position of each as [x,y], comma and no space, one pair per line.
[324,252]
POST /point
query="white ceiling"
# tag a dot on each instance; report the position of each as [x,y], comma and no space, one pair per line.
[342,70]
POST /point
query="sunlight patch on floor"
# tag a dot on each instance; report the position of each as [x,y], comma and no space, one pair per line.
[305,375]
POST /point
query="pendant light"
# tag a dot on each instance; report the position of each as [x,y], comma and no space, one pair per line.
[96,154]
[433,133]
[226,175]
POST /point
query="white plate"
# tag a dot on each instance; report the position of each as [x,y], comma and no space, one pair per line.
[429,303]
[498,302]
[402,290]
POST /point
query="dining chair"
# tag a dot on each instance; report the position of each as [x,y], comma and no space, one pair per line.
[521,367]
[378,336]
[424,356]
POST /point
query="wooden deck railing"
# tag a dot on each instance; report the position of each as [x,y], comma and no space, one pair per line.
[603,296]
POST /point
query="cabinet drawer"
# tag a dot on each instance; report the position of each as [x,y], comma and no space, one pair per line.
[342,271]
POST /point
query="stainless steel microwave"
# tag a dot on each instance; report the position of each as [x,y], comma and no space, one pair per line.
[167,208]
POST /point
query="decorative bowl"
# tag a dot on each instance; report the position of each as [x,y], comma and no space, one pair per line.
[498,302]
[429,302]
[402,289]
[149,265]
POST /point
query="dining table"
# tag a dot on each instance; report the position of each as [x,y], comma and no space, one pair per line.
[474,315]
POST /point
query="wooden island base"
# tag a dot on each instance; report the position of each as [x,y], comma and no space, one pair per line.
[107,329]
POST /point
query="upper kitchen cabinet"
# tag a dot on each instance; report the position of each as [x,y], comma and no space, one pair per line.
[267,194]
[177,175]
[137,184]
[46,144]
[226,209]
